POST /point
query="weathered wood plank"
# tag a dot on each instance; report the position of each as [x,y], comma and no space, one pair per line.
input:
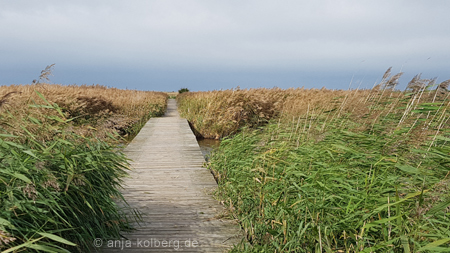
[168,185]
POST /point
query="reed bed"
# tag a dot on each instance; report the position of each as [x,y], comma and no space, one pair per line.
[94,110]
[337,171]
[60,166]
[216,114]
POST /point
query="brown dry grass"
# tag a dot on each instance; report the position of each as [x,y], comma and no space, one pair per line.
[96,110]
[216,114]
[171,93]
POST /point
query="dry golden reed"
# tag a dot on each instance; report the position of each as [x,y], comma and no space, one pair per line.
[95,110]
[216,114]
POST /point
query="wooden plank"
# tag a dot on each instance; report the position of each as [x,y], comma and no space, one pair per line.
[172,191]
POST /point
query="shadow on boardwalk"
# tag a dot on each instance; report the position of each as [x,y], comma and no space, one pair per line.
[170,188]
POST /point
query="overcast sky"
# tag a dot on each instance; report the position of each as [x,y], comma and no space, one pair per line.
[210,44]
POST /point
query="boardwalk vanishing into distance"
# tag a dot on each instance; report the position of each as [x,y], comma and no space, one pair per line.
[172,190]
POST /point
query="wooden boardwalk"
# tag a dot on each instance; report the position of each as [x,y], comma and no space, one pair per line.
[172,190]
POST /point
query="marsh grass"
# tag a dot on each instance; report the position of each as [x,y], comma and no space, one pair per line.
[337,171]
[217,114]
[57,195]
[60,166]
[347,192]
[94,110]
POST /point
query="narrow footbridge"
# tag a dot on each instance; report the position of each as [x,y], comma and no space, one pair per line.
[172,191]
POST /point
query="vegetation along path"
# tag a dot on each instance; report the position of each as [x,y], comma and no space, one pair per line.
[172,190]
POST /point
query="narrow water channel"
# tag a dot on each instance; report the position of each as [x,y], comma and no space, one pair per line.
[207,146]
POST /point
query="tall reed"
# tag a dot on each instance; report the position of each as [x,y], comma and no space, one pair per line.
[338,171]
[95,110]
[60,168]
[57,195]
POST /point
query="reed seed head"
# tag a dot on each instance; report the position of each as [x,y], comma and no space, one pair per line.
[5,238]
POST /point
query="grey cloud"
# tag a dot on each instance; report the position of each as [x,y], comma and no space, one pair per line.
[323,35]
